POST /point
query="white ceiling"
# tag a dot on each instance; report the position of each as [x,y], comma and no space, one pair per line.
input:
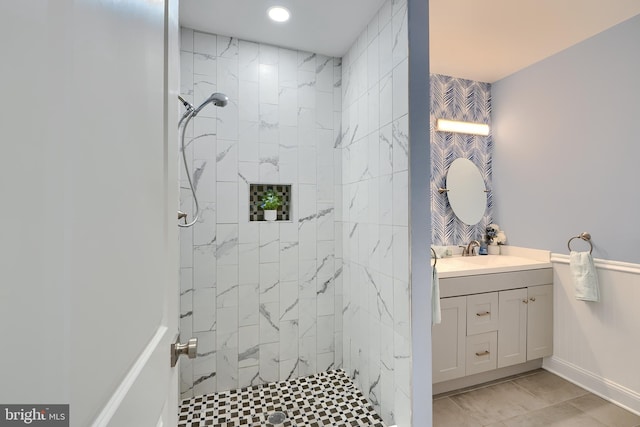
[483,40]
[486,40]
[328,27]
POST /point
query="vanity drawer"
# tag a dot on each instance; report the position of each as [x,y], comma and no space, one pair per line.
[482,313]
[482,352]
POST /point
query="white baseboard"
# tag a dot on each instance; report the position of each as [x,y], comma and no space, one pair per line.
[606,389]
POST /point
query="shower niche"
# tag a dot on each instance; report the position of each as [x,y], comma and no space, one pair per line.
[257,191]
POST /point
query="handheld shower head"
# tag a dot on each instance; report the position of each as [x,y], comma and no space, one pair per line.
[218,99]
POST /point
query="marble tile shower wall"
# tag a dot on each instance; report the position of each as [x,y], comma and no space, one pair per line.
[467,100]
[374,143]
[264,299]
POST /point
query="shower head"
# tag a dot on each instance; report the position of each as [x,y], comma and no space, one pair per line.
[218,99]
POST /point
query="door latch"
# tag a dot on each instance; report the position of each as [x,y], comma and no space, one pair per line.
[189,349]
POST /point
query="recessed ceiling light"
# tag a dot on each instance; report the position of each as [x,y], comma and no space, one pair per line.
[279,13]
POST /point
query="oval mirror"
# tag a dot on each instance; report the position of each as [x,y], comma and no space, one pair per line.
[466,191]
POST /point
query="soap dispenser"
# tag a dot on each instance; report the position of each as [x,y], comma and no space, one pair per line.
[483,249]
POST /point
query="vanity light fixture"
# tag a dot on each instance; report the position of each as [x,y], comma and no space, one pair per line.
[444,125]
[279,13]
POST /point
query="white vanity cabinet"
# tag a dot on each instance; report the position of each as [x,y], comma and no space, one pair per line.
[481,353]
[512,330]
[482,326]
[450,336]
[526,325]
[540,322]
[482,313]
[492,321]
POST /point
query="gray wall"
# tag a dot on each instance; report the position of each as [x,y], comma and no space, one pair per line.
[567,148]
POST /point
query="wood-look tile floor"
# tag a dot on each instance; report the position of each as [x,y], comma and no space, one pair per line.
[530,400]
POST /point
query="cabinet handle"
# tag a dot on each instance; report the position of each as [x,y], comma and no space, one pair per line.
[486,313]
[526,301]
[482,353]
[532,299]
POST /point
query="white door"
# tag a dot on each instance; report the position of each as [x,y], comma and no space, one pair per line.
[88,184]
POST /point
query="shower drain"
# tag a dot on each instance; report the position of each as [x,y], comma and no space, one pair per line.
[277,417]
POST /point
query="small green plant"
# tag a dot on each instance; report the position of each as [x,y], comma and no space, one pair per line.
[270,200]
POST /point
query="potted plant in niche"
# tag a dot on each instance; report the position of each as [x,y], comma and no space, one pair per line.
[270,204]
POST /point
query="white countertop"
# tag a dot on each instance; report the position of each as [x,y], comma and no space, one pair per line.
[514,259]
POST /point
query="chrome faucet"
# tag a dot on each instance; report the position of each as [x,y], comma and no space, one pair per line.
[468,251]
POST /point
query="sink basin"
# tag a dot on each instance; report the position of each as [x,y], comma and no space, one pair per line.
[485,264]
[485,260]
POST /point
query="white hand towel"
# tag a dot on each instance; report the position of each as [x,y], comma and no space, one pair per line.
[585,277]
[435,299]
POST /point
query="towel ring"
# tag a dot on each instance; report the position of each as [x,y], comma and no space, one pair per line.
[435,258]
[584,236]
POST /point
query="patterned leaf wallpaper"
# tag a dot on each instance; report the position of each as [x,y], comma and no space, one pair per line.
[466,100]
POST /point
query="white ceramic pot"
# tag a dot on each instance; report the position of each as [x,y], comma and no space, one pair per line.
[493,249]
[270,215]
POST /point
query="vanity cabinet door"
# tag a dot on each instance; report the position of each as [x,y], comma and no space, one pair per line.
[448,340]
[540,322]
[512,329]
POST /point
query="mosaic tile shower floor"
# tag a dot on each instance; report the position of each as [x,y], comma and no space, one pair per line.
[324,399]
